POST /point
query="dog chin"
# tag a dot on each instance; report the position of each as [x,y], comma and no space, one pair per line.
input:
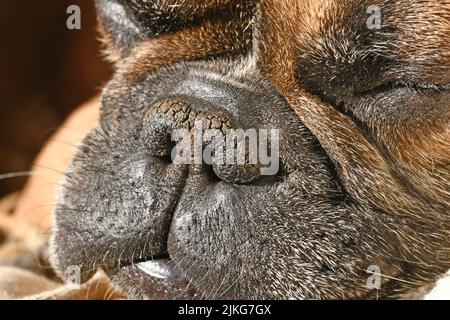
[157,279]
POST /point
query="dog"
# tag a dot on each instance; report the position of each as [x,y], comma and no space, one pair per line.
[359,207]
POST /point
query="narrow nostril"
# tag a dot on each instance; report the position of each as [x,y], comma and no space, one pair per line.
[211,174]
[159,123]
[158,141]
[239,163]
[239,174]
[167,158]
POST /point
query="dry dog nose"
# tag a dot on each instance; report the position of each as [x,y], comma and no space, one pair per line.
[175,130]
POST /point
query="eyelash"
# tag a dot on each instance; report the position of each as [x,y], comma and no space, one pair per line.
[421,86]
[418,87]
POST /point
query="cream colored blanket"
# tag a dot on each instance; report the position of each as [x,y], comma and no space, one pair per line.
[25,272]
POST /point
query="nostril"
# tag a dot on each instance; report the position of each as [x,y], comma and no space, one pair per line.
[211,174]
[167,158]
[172,130]
[157,139]
[239,174]
[240,163]
[159,124]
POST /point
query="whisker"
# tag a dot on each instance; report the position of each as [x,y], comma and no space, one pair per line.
[20,174]
[48,168]
[58,128]
[47,205]
[64,142]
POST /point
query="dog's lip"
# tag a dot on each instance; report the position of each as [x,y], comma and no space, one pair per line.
[158,279]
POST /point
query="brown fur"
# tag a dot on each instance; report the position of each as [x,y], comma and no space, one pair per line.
[391,157]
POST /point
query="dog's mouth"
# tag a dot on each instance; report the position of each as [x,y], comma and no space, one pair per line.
[158,277]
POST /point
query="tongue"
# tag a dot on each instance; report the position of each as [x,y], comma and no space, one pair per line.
[159,280]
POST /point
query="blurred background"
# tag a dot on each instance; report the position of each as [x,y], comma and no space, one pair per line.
[46,70]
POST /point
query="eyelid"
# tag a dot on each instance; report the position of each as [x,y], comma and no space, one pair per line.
[419,87]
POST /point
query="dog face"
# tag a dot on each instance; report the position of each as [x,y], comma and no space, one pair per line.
[362,120]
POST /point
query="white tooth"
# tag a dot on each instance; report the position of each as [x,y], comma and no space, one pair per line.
[156,269]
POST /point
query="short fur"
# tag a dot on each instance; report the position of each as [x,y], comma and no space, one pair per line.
[364,148]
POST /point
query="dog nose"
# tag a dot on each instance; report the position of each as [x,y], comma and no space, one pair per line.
[183,134]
